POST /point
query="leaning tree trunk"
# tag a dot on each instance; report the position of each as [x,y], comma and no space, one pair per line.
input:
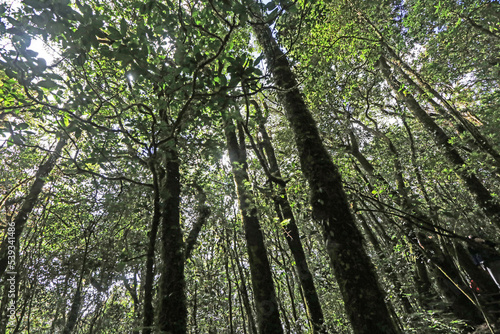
[291,233]
[203,214]
[172,310]
[29,203]
[268,318]
[427,91]
[479,140]
[74,311]
[363,297]
[473,184]
[4,317]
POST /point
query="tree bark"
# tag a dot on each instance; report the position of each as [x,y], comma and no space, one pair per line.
[74,311]
[148,316]
[292,236]
[363,297]
[227,255]
[132,290]
[268,319]
[203,213]
[172,310]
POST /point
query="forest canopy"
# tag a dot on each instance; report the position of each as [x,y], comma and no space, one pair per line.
[249,166]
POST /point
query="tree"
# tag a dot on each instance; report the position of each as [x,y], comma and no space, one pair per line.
[268,320]
[362,295]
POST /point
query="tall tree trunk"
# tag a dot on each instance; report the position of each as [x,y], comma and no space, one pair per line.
[291,233]
[61,304]
[483,196]
[74,311]
[368,167]
[132,290]
[29,203]
[288,279]
[363,297]
[172,310]
[268,319]
[478,142]
[148,316]
[4,317]
[194,311]
[420,182]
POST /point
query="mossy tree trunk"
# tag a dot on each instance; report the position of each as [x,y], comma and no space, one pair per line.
[363,297]
[172,310]
[242,288]
[203,214]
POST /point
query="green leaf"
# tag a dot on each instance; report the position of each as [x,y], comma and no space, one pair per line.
[123,27]
[258,60]
[47,84]
[78,133]
[53,75]
[35,4]
[270,5]
[30,53]
[120,266]
[114,33]
[285,222]
[42,64]
[22,126]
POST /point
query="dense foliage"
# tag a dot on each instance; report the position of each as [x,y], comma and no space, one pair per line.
[248,166]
